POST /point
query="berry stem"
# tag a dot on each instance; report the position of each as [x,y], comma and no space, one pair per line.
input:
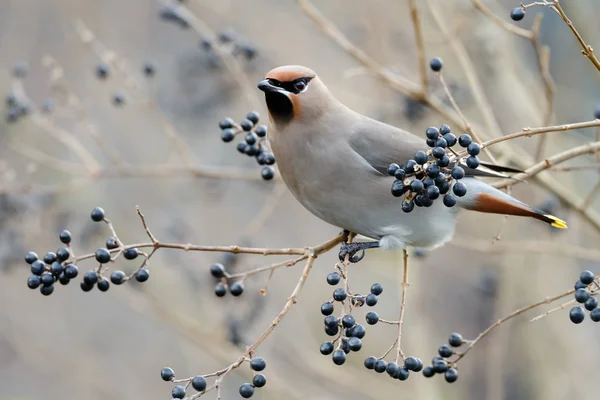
[399,352]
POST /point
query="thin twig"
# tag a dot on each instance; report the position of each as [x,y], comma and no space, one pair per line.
[399,352]
[416,22]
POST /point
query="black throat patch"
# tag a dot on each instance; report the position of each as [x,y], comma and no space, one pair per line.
[280,107]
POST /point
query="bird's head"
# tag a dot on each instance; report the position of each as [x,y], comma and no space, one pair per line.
[293,92]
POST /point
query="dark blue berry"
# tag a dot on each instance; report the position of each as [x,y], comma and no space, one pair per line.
[443,162]
[372,318]
[416,186]
[440,366]
[459,189]
[102,71]
[473,149]
[259,380]
[450,139]
[227,135]
[103,285]
[458,173]
[392,168]
[428,371]
[428,182]
[56,268]
[581,295]
[409,167]
[445,351]
[348,321]
[86,287]
[65,237]
[49,257]
[33,281]
[587,277]
[370,362]
[445,129]
[398,188]
[258,364]
[339,294]
[595,315]
[261,131]
[591,303]
[380,366]
[412,364]
[326,348]
[420,157]
[438,152]
[217,270]
[432,133]
[269,158]
[97,214]
[112,243]
[47,279]
[464,140]
[436,64]
[433,170]
[246,390]
[199,383]
[332,331]
[330,321]
[430,142]
[455,339]
[47,290]
[339,357]
[580,285]
[37,267]
[246,125]
[408,206]
[402,374]
[142,275]
[178,392]
[117,277]
[517,14]
[354,343]
[327,308]
[333,278]
[597,112]
[472,162]
[90,277]
[371,300]
[392,369]
[251,138]
[400,174]
[451,375]
[242,147]
[226,123]
[253,116]
[357,330]
[441,142]
[102,256]
[31,257]
[220,290]
[376,289]
[577,314]
[236,288]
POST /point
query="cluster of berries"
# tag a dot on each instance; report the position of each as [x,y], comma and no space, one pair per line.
[199,382]
[392,368]
[432,171]
[586,289]
[16,107]
[217,270]
[61,267]
[254,141]
[440,365]
[239,46]
[118,98]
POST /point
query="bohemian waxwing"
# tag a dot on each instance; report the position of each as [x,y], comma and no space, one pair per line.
[335,160]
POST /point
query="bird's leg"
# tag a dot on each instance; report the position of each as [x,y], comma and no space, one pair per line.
[352,248]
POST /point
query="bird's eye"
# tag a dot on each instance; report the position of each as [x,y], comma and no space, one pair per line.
[299,85]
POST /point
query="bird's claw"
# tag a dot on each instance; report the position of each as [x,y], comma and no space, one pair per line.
[351,249]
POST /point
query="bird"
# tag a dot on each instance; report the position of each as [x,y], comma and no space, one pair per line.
[335,162]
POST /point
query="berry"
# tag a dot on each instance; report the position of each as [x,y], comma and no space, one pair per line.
[332,331]
[251,138]
[118,99]
[112,243]
[450,139]
[47,290]
[413,364]
[380,366]
[372,318]
[217,270]
[580,285]
[33,282]
[37,267]
[449,200]
[371,300]
[436,64]
[117,277]
[97,214]
[130,254]
[330,321]
[267,173]
[376,289]
[258,364]
[64,279]
[178,392]
[577,314]
[430,142]
[392,168]
[227,135]
[63,254]
[398,187]
[408,206]
[333,278]
[65,237]
[259,380]
[445,351]
[326,348]
[354,344]
[428,182]
[348,321]
[595,315]
[345,346]
[56,268]
[370,362]
[47,279]
[445,129]
[339,294]
[392,369]
[409,167]
[327,308]
[420,157]
[269,158]
[451,375]
[86,287]
[464,140]
[49,257]
[581,295]
[517,14]
[438,152]
[458,173]
[198,383]
[357,331]
[261,131]
[102,71]
[432,133]
[226,123]
[586,277]
[90,277]
[416,186]
[440,366]
[591,303]
[472,162]
[31,257]
[242,147]
[102,256]
[432,192]
[433,170]
[339,357]
[444,187]
[441,142]
[103,285]
[253,116]
[236,288]
[455,339]
[246,125]
[459,189]
[428,371]
[473,149]
[149,68]
[220,290]
[443,162]
[246,390]
[142,275]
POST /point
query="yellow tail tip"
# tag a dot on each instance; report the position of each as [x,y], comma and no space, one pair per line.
[557,222]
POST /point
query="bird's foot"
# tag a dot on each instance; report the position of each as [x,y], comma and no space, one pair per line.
[350,249]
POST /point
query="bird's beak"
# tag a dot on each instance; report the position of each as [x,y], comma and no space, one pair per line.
[265,86]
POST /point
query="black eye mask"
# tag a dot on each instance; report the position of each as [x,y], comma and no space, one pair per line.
[294,86]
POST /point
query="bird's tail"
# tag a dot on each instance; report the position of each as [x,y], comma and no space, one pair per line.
[485,198]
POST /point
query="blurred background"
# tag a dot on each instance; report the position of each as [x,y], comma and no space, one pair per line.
[145,151]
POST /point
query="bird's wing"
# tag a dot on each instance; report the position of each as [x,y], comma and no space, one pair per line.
[381,144]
